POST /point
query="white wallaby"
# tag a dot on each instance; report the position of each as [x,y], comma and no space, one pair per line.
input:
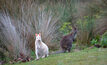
[41,49]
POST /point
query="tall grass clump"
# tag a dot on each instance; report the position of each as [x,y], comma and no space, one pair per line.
[11,37]
[86,30]
[104,40]
[93,23]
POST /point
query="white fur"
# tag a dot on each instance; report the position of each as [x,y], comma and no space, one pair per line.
[41,49]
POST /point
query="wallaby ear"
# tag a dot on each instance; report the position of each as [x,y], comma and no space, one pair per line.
[36,34]
[39,34]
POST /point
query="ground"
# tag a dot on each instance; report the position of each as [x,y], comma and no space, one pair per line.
[95,56]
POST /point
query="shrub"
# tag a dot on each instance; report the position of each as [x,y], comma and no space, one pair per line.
[11,37]
[104,40]
[94,41]
[66,28]
[85,32]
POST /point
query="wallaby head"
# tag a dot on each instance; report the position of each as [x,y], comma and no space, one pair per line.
[38,37]
[74,32]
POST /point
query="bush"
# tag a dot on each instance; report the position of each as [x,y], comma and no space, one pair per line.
[104,40]
[94,41]
[85,32]
[66,28]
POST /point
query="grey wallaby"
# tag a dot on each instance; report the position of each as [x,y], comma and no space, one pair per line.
[66,41]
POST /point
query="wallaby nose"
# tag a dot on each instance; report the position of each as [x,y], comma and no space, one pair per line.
[39,40]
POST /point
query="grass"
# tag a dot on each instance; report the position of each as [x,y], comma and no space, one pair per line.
[95,56]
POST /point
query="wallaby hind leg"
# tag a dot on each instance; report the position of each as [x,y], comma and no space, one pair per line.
[64,50]
[69,50]
[37,56]
[46,55]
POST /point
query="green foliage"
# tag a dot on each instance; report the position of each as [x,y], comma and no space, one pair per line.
[68,10]
[32,53]
[66,28]
[97,37]
[104,39]
[2,56]
[3,52]
[98,9]
[85,26]
[94,41]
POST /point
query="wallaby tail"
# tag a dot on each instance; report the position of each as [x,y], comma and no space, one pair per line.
[57,52]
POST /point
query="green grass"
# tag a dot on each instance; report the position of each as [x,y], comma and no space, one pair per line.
[95,56]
